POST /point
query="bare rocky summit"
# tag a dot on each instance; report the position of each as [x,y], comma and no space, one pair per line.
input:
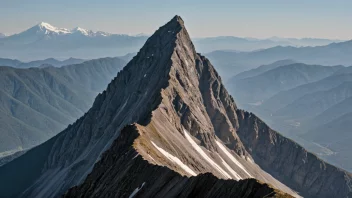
[167,127]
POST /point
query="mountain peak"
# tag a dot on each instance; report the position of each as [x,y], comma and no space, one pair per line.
[49,29]
[81,30]
[45,24]
[171,37]
[178,19]
[167,109]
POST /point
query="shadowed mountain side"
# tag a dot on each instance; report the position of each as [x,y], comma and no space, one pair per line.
[129,172]
[37,103]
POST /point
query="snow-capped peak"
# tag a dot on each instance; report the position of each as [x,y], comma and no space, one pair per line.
[47,28]
[81,30]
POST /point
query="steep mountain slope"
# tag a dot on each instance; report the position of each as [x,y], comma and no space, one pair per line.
[167,115]
[130,175]
[290,163]
[315,114]
[261,87]
[38,63]
[35,103]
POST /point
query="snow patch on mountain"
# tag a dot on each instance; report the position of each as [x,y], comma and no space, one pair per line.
[232,158]
[205,156]
[175,160]
[51,29]
[230,169]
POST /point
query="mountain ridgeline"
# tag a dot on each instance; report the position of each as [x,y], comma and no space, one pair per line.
[312,109]
[231,63]
[44,40]
[39,63]
[167,127]
[265,84]
[37,103]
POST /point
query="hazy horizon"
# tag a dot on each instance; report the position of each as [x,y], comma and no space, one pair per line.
[149,34]
[299,19]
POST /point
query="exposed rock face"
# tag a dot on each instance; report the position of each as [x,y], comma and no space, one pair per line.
[289,162]
[122,171]
[172,121]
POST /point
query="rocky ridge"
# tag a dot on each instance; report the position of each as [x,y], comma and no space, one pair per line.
[172,121]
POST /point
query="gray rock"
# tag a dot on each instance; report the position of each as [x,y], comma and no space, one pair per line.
[161,124]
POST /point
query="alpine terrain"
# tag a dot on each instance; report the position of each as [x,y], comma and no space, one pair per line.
[38,103]
[167,127]
[314,110]
[39,63]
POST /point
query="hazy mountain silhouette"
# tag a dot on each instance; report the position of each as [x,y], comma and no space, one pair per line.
[317,110]
[231,63]
[45,40]
[37,103]
[257,88]
[38,63]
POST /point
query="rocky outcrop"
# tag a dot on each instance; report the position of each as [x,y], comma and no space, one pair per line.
[291,163]
[122,172]
[182,111]
[194,108]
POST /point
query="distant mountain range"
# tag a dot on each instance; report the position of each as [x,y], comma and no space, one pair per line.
[37,103]
[231,63]
[263,85]
[50,61]
[261,69]
[229,43]
[2,35]
[166,126]
[310,103]
[44,40]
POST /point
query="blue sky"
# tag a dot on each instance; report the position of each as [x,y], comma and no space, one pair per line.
[253,18]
